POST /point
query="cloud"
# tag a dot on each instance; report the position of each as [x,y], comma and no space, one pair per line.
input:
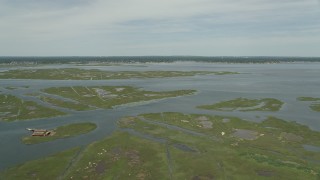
[87,24]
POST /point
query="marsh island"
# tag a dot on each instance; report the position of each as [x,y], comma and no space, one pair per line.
[110,96]
[14,108]
[195,120]
[186,146]
[94,74]
[61,132]
[315,102]
[244,104]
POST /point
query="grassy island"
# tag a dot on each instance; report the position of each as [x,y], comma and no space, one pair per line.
[110,96]
[244,104]
[315,102]
[51,167]
[173,145]
[62,132]
[315,107]
[94,74]
[16,87]
[308,99]
[13,108]
[121,155]
[65,104]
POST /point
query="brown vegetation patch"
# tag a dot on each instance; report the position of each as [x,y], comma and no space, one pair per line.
[127,121]
[133,157]
[245,134]
[142,175]
[290,137]
[203,177]
[206,124]
[101,167]
[202,118]
[116,153]
[204,121]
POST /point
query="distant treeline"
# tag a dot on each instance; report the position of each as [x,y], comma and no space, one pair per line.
[156,59]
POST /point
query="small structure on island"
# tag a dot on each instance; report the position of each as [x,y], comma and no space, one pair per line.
[41,132]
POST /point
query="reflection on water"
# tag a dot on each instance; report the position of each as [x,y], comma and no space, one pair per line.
[285,82]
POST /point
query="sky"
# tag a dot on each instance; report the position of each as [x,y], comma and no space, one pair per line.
[159,27]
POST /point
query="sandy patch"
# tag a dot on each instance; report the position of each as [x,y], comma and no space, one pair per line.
[246,134]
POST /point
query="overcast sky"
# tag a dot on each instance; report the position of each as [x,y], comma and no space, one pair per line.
[159,27]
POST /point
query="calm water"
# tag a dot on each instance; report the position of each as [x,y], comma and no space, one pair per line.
[282,81]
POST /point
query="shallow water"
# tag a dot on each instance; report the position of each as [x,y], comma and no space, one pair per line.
[285,82]
[311,148]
